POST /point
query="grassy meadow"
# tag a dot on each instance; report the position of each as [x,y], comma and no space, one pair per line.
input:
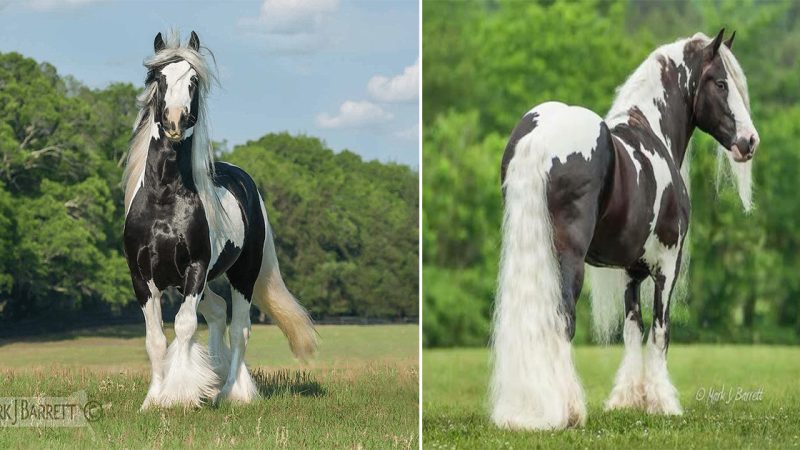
[360,392]
[455,411]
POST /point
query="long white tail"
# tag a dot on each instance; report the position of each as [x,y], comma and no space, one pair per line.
[271,296]
[534,384]
[607,291]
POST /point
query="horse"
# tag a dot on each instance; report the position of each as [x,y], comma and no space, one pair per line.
[190,220]
[609,196]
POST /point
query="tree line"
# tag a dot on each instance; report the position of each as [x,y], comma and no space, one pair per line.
[346,229]
[488,62]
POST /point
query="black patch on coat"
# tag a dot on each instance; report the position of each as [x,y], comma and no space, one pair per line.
[676,109]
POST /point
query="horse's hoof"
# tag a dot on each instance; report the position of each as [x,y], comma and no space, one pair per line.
[626,397]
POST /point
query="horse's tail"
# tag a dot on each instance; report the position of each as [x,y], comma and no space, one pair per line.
[271,296]
[607,287]
[533,383]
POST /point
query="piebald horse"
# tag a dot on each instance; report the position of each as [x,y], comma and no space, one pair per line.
[189,220]
[612,193]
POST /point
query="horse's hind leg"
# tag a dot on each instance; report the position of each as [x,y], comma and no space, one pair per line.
[628,389]
[660,395]
[215,311]
[239,385]
[572,236]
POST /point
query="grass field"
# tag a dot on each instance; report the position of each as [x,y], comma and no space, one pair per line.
[360,392]
[454,402]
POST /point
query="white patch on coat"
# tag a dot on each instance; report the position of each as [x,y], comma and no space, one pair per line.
[178,77]
[565,130]
[534,384]
[653,247]
[636,164]
[233,228]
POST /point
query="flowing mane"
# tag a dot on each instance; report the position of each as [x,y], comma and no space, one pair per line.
[145,128]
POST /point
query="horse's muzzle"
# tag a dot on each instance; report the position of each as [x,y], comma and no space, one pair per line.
[174,135]
[744,148]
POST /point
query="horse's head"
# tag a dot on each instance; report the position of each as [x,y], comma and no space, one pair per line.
[177,97]
[721,104]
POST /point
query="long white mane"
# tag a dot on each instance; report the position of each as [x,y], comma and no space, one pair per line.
[145,127]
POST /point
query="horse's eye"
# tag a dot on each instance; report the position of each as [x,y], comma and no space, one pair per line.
[722,84]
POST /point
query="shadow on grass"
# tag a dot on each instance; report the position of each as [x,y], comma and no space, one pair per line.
[286,382]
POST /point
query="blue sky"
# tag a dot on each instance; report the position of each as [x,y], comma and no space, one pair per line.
[342,70]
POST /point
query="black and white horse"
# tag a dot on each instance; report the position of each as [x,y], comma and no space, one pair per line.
[612,193]
[189,220]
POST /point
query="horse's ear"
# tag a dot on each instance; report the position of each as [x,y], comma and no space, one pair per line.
[729,42]
[194,42]
[714,46]
[158,43]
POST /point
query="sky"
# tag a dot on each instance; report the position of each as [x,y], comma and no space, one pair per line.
[342,70]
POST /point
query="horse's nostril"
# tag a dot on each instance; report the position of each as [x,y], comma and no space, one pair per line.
[752,141]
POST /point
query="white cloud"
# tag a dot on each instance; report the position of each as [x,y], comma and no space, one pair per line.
[409,134]
[355,115]
[295,16]
[400,88]
[49,5]
[296,26]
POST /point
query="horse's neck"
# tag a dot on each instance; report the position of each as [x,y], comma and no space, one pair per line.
[668,111]
[169,168]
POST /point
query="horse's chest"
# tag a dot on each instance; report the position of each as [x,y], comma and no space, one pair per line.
[165,239]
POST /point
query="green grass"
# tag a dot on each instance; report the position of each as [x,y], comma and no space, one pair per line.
[455,412]
[360,392]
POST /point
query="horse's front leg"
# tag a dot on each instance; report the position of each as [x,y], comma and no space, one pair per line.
[661,397]
[155,342]
[628,389]
[190,376]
